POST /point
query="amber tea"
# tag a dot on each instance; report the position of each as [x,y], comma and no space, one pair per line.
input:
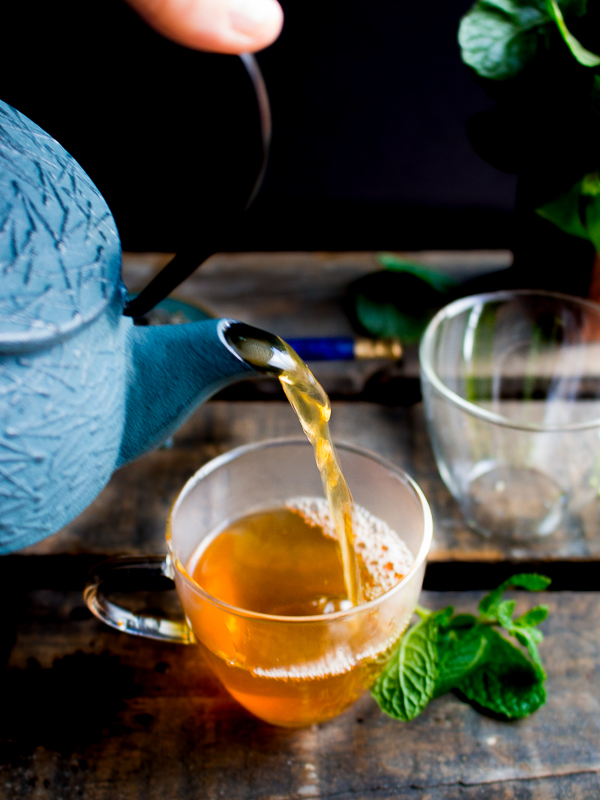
[286,562]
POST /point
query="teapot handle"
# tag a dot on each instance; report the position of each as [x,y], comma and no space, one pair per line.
[188,260]
[134,574]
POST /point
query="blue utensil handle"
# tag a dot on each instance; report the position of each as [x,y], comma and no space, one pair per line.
[345,348]
[333,348]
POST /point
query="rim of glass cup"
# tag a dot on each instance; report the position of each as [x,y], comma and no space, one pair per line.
[457,307]
[231,455]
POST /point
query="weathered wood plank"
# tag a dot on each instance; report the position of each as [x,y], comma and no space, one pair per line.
[88,712]
[300,294]
[129,516]
[294,294]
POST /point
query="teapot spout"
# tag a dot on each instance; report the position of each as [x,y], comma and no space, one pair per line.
[172,369]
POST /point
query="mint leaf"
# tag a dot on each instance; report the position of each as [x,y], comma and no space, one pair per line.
[523,628]
[565,212]
[529,638]
[583,56]
[498,38]
[591,204]
[507,684]
[437,280]
[460,650]
[466,654]
[532,581]
[504,613]
[407,683]
[443,617]
[577,211]
[532,617]
[397,301]
[387,321]
[488,607]
[489,604]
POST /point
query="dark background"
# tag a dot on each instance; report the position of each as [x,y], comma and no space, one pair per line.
[370,107]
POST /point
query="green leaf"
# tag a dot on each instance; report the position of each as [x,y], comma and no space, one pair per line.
[407,683]
[504,613]
[444,616]
[396,302]
[424,613]
[578,211]
[439,281]
[590,185]
[524,631]
[493,609]
[460,650]
[507,684]
[499,37]
[489,604]
[463,653]
[532,617]
[385,320]
[488,607]
[583,56]
[528,638]
[532,581]
[592,219]
[536,635]
[564,212]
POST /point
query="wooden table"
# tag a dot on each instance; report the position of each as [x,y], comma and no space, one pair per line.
[91,713]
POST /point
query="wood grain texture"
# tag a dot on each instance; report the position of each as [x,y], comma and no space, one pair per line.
[294,294]
[300,294]
[129,516]
[91,713]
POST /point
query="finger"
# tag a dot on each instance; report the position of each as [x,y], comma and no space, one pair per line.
[220,26]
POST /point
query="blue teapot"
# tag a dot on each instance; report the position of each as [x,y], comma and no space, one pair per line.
[82,390]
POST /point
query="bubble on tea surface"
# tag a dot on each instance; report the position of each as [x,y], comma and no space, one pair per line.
[384,559]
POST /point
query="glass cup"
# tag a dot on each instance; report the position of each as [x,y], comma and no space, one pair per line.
[511,386]
[291,671]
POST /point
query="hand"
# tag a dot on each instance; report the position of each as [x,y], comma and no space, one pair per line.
[220,26]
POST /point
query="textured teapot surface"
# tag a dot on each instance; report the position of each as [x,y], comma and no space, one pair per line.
[60,254]
[63,358]
[82,391]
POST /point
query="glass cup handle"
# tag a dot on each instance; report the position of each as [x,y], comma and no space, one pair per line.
[134,574]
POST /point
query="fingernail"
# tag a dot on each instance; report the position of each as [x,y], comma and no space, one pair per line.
[248,16]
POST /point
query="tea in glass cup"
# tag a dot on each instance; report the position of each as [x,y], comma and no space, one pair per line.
[253,555]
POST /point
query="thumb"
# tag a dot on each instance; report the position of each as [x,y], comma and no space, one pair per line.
[220,26]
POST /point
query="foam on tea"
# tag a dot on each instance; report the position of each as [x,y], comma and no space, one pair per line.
[311,404]
[383,558]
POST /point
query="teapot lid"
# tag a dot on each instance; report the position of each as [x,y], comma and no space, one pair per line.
[60,254]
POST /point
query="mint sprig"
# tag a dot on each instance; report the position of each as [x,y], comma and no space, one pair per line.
[507,684]
[444,652]
[408,682]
